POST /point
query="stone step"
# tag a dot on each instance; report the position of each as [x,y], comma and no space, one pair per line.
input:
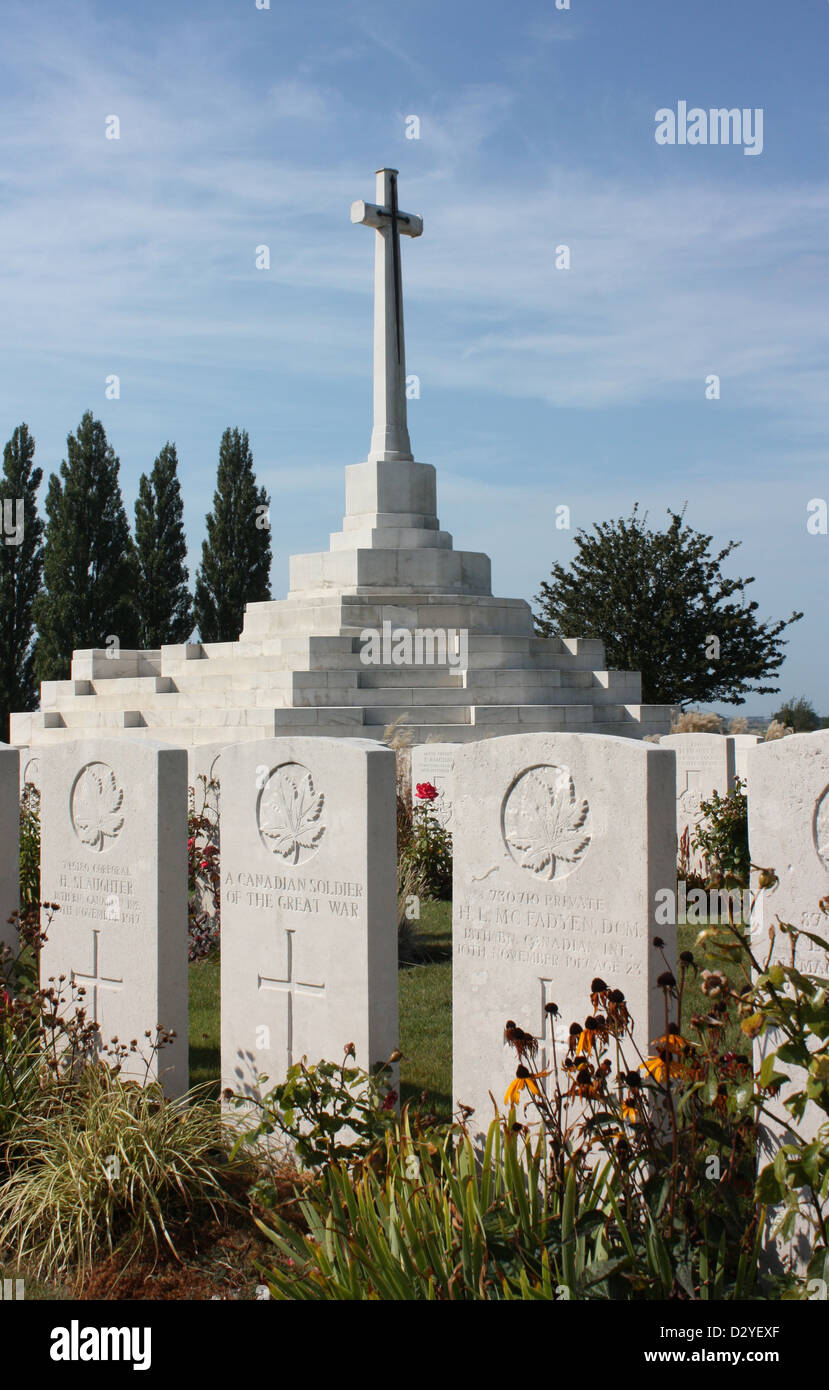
[438,714]
[390,678]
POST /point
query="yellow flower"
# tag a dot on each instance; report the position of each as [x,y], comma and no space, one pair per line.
[524,1080]
[655,1067]
[629,1112]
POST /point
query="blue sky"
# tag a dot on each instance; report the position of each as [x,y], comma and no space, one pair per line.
[539,387]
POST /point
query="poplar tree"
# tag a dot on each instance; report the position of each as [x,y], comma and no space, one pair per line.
[89,568]
[236,556]
[165,610]
[21,571]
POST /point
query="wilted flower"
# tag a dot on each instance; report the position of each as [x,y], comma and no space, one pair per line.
[713,983]
[524,1081]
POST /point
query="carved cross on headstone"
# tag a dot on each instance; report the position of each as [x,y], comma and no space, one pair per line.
[291,987]
[390,436]
[96,979]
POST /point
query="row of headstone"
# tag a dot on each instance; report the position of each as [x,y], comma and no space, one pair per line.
[309,899]
[562,843]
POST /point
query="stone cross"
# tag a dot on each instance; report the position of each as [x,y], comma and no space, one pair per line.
[96,979]
[390,436]
[291,987]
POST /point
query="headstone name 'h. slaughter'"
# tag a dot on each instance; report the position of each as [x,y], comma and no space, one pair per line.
[309,906]
[561,844]
[704,764]
[788,831]
[9,839]
[114,859]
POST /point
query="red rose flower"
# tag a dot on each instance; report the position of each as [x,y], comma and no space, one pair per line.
[426,792]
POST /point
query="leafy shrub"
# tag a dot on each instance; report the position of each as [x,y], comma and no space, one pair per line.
[327,1112]
[722,836]
[425,852]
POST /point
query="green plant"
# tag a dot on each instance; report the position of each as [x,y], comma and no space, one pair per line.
[328,1112]
[654,598]
[203,876]
[722,836]
[29,846]
[109,1165]
[787,1005]
[425,852]
[43,1042]
[441,1222]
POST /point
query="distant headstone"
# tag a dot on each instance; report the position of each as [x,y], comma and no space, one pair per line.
[561,844]
[788,827]
[742,743]
[9,840]
[435,763]
[309,906]
[114,858]
[704,764]
[29,769]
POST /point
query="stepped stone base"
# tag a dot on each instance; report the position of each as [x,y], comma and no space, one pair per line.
[299,667]
[474,667]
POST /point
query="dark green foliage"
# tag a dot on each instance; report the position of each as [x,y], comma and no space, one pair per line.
[166,614]
[236,556]
[21,570]
[89,565]
[29,847]
[722,835]
[799,715]
[656,599]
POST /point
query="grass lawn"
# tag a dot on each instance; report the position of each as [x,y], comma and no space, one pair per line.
[425,1011]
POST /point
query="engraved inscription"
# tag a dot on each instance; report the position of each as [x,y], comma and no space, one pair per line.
[289,814]
[568,935]
[545,826]
[95,806]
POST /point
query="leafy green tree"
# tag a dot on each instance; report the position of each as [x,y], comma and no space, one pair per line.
[799,715]
[165,610]
[661,604]
[89,565]
[21,572]
[236,556]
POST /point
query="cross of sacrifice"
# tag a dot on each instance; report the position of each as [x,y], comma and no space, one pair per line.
[290,987]
[390,436]
[96,979]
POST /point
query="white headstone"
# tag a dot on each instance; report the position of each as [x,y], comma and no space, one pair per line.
[9,840]
[704,764]
[788,826]
[114,857]
[434,763]
[742,743]
[561,844]
[309,906]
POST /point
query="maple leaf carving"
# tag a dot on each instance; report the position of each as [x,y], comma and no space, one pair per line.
[545,826]
[822,828]
[290,811]
[96,806]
